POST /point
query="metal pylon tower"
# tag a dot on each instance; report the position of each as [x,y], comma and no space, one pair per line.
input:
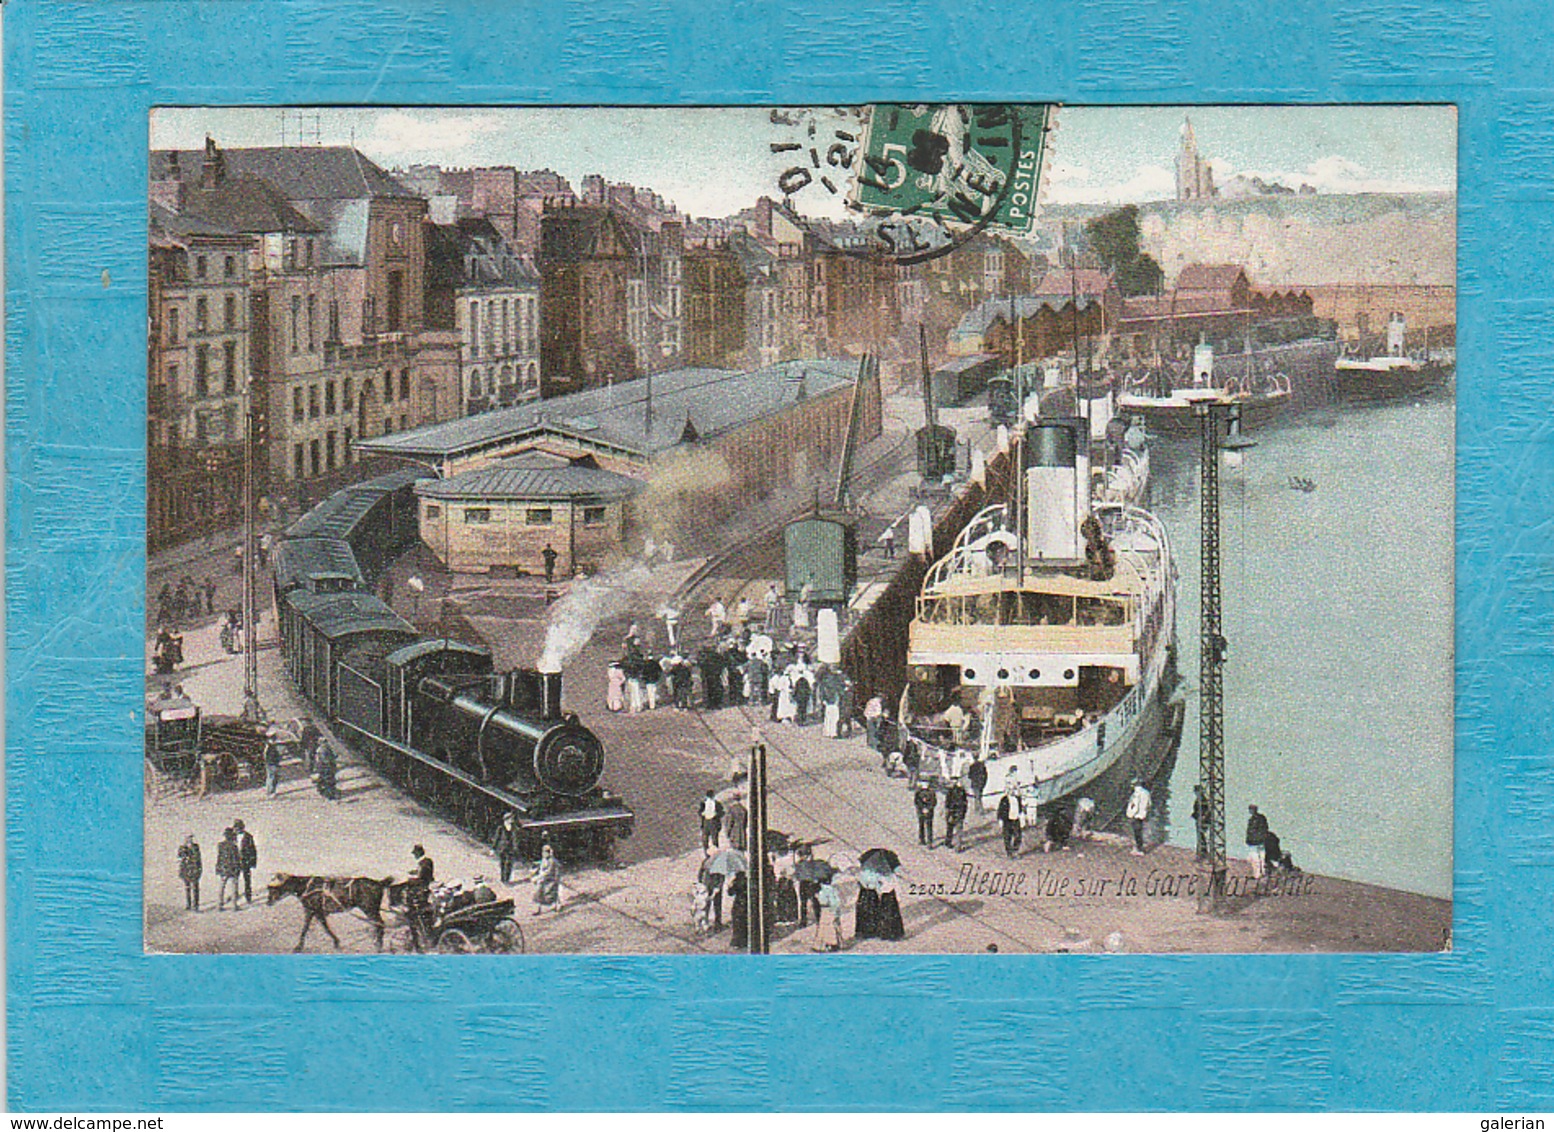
[1211,654]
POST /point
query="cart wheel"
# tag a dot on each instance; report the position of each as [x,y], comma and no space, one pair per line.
[506,938]
[454,942]
[400,942]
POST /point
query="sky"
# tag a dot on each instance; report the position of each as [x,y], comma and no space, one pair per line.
[716,161]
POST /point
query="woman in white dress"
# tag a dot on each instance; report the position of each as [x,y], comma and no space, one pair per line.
[782,688]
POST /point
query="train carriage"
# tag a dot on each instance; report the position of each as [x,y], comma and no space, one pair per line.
[330,626]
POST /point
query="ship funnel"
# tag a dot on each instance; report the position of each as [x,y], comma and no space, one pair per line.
[1397,327]
[1057,489]
[1203,365]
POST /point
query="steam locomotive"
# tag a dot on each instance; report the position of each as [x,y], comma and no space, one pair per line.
[430,713]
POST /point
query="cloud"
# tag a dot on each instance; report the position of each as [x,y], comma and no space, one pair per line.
[407,135]
[1066,172]
[1336,173]
[1145,183]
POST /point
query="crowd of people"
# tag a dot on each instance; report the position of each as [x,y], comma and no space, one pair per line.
[739,663]
[237,856]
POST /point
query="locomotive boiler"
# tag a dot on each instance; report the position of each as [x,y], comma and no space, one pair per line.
[510,732]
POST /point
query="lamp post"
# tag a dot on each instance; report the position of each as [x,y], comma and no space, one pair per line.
[252,711]
[1211,640]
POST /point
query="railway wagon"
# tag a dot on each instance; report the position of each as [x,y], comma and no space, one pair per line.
[822,553]
[327,627]
[376,518]
[960,379]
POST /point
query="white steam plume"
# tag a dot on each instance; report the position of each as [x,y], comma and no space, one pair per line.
[590,601]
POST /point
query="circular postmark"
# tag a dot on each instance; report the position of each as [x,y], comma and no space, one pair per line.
[916,181]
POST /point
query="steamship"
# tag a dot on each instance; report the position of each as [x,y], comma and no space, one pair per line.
[1263,396]
[1051,622]
[1393,375]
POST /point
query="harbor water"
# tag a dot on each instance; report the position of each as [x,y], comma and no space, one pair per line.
[1338,610]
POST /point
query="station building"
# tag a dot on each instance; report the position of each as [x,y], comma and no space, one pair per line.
[699,444]
[504,515]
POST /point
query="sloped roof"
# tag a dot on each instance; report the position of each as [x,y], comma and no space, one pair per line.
[168,229]
[334,172]
[1085,281]
[296,560]
[980,317]
[1209,277]
[536,476]
[713,401]
[1193,305]
[336,615]
[338,514]
[575,233]
[246,204]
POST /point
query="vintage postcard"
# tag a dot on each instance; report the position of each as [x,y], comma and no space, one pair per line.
[900,528]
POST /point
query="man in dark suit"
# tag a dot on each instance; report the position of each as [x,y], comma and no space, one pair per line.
[955,806]
[926,799]
[247,859]
[505,843]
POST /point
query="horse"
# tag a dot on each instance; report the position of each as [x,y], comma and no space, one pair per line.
[323,896]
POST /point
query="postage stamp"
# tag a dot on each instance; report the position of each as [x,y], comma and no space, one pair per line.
[953,527]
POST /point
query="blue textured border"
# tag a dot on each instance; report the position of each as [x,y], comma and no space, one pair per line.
[93,1023]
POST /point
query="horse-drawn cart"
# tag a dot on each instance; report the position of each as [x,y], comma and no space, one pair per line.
[456,925]
[187,750]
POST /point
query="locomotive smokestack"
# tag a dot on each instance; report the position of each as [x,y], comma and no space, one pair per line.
[551,685]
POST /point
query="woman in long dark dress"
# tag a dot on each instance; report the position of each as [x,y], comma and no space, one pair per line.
[888,923]
[739,914]
[866,924]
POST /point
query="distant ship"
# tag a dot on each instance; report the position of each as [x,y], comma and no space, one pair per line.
[1167,402]
[1394,375]
[1051,623]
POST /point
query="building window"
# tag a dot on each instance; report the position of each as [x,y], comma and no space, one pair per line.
[329,450]
[345,396]
[475,389]
[312,402]
[312,323]
[404,422]
[329,398]
[201,428]
[297,413]
[345,448]
[404,385]
[388,425]
[229,366]
[296,462]
[537,516]
[230,318]
[474,330]
[490,325]
[172,325]
[313,457]
[229,422]
[593,516]
[477,514]
[172,379]
[388,386]
[296,324]
[202,370]
[334,320]
[396,295]
[201,313]
[229,267]
[199,267]
[433,511]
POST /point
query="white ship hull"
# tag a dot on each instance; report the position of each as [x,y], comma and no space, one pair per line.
[1126,733]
